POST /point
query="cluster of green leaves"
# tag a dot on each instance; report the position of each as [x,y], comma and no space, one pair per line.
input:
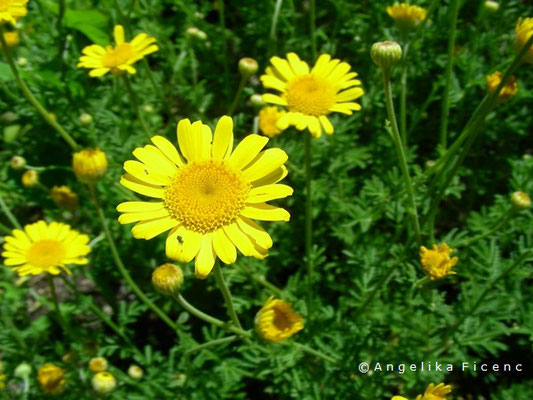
[365,305]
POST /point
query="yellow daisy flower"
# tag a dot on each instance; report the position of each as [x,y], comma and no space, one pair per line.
[311,95]
[406,16]
[45,248]
[523,31]
[268,118]
[89,165]
[437,262]
[51,379]
[12,10]
[119,59]
[207,195]
[508,90]
[276,321]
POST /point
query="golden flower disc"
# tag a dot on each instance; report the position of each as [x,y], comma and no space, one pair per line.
[311,95]
[204,196]
[118,55]
[46,253]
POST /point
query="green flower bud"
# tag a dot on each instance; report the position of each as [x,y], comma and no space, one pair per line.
[521,201]
[23,370]
[491,6]
[386,54]
[22,61]
[257,101]
[195,33]
[167,279]
[17,162]
[86,119]
[248,67]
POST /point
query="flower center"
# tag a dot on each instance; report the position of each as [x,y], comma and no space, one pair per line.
[206,195]
[117,56]
[46,253]
[310,95]
[4,5]
[281,320]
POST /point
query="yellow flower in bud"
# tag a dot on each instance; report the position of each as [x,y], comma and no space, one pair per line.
[437,262]
[248,66]
[523,31]
[89,165]
[51,379]
[276,321]
[135,372]
[268,118]
[11,38]
[64,197]
[167,279]
[520,200]
[12,10]
[30,178]
[104,383]
[508,90]
[97,364]
[406,16]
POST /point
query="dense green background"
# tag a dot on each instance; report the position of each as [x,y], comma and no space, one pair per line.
[365,263]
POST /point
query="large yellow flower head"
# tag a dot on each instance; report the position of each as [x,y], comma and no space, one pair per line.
[276,321]
[51,379]
[437,262]
[45,248]
[268,119]
[523,31]
[432,392]
[119,59]
[12,10]
[508,90]
[311,95]
[406,16]
[206,196]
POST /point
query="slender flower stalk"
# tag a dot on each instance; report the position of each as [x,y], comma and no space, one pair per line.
[135,106]
[9,214]
[226,294]
[308,224]
[312,27]
[403,96]
[222,24]
[275,16]
[454,10]
[313,352]
[30,97]
[209,319]
[60,318]
[395,135]
[242,83]
[120,265]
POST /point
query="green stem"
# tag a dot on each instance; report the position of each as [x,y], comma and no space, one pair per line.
[209,319]
[122,269]
[61,14]
[403,97]
[448,74]
[29,96]
[103,316]
[211,343]
[273,38]
[226,294]
[135,106]
[314,352]
[222,24]
[9,214]
[421,282]
[308,224]
[242,83]
[504,219]
[312,27]
[401,156]
[60,318]
[270,286]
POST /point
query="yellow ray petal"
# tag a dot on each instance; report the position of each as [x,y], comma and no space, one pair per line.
[262,194]
[205,260]
[265,212]
[223,138]
[224,248]
[266,162]
[247,150]
[151,228]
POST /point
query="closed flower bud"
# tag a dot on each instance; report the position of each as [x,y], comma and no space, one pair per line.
[406,16]
[523,31]
[257,101]
[491,6]
[148,108]
[22,61]
[89,165]
[386,54]
[30,178]
[195,33]
[51,379]
[135,372]
[104,383]
[167,279]
[508,90]
[248,67]
[23,370]
[430,164]
[86,119]
[521,201]
[63,197]
[97,364]
[11,38]
[17,162]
